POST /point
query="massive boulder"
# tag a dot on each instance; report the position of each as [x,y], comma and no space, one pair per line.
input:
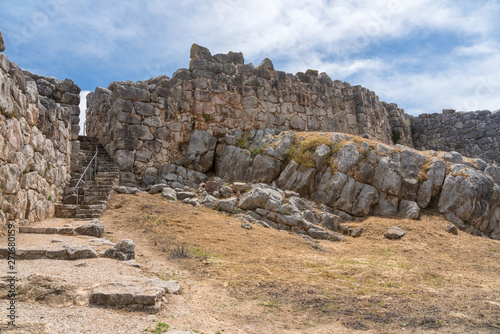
[470,196]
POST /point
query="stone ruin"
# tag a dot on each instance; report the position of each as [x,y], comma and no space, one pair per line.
[224,118]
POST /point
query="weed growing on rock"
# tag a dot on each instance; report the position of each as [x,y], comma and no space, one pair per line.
[161,327]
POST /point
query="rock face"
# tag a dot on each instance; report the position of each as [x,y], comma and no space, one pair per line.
[37,141]
[361,178]
[471,200]
[2,42]
[473,134]
[162,120]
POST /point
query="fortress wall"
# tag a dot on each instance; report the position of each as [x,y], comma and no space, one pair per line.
[473,134]
[36,129]
[144,125]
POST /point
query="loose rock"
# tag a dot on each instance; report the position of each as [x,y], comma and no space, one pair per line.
[394,233]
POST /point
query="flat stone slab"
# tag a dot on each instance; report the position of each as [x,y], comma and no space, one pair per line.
[145,298]
[94,228]
[171,287]
[47,230]
[24,327]
[68,253]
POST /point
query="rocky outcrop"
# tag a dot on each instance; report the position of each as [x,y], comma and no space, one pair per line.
[273,174]
[362,177]
[146,124]
[35,142]
[473,134]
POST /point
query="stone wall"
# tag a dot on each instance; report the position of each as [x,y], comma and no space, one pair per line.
[473,134]
[35,142]
[144,125]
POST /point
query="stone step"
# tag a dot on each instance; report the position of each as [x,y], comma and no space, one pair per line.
[89,211]
[93,207]
[68,253]
[66,210]
[96,201]
[95,192]
[135,298]
[87,216]
[99,196]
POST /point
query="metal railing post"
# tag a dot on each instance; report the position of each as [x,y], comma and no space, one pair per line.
[95,165]
[89,176]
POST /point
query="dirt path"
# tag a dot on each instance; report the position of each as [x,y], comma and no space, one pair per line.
[235,280]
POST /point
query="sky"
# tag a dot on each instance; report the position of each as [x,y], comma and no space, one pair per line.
[423,55]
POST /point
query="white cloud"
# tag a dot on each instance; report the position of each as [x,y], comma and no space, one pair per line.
[346,39]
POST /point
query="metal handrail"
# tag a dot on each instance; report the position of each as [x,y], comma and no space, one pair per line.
[94,159]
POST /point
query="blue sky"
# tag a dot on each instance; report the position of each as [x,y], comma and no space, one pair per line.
[423,55]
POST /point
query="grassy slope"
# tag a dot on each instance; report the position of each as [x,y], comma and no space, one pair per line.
[429,281]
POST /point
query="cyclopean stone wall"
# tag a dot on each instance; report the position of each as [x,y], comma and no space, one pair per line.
[146,124]
[35,142]
[473,134]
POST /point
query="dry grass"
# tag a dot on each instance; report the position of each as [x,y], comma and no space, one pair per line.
[428,280]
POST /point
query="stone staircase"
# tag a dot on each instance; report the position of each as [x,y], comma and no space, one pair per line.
[93,194]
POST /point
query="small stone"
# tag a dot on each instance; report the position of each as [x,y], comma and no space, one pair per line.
[356,232]
[226,192]
[211,186]
[171,287]
[126,190]
[246,226]
[290,193]
[94,229]
[227,205]
[394,233]
[124,250]
[192,201]
[132,263]
[182,195]
[452,229]
[240,187]
[157,188]
[84,252]
[81,264]
[57,240]
[169,194]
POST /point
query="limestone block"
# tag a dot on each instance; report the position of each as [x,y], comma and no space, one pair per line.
[265,169]
[347,158]
[321,155]
[387,178]
[140,132]
[124,159]
[131,93]
[409,209]
[472,197]
[387,205]
[330,187]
